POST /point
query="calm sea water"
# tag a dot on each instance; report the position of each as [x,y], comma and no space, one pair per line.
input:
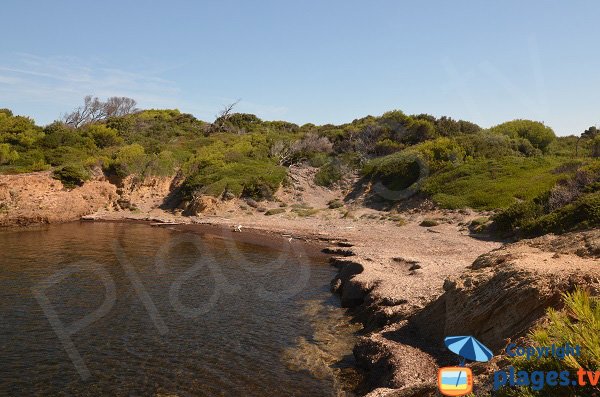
[93,309]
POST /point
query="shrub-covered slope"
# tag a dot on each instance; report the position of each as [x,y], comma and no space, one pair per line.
[519,167]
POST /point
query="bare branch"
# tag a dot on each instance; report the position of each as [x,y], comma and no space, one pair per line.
[94,110]
[226,112]
[220,121]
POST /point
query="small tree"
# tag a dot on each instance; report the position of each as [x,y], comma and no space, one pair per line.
[94,110]
[103,136]
[591,133]
[223,116]
[7,154]
[596,146]
[292,152]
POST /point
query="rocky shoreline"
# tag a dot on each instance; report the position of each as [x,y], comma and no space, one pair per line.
[409,283]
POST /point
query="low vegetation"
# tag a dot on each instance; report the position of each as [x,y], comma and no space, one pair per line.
[577,324]
[275,211]
[518,168]
[571,203]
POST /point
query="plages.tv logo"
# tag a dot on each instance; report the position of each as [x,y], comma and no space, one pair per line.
[458,381]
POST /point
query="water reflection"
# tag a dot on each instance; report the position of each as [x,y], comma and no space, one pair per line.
[201,317]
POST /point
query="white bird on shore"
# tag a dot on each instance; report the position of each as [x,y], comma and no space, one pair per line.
[238,228]
[290,239]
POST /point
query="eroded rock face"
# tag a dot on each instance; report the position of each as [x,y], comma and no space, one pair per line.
[144,194]
[506,291]
[201,204]
[500,296]
[383,357]
[38,198]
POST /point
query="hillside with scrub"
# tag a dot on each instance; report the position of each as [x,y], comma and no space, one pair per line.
[533,181]
[485,229]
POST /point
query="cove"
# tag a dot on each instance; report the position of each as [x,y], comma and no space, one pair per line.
[129,309]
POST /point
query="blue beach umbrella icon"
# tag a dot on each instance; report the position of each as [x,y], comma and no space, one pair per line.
[469,348]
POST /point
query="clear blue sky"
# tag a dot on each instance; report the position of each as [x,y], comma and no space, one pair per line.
[308,61]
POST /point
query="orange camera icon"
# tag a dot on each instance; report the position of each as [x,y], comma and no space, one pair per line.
[455,381]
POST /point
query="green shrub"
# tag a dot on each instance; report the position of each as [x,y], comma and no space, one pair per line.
[419,130]
[489,184]
[397,171]
[387,146]
[58,135]
[306,212]
[429,222]
[486,145]
[535,132]
[71,175]
[103,136]
[584,213]
[333,204]
[66,155]
[568,146]
[19,130]
[572,203]
[577,324]
[441,153]
[130,159]
[275,211]
[482,220]
[517,215]
[478,225]
[318,159]
[7,154]
[250,178]
[329,174]
[162,164]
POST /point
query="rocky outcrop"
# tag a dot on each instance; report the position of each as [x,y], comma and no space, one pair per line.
[38,198]
[200,204]
[35,198]
[351,291]
[506,291]
[143,194]
[500,296]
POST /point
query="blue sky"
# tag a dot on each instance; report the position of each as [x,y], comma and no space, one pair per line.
[308,61]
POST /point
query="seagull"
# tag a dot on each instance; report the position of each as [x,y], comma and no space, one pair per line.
[238,228]
[290,239]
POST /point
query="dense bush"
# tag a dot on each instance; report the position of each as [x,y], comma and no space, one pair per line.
[19,130]
[103,136]
[66,155]
[535,132]
[330,174]
[583,213]
[455,162]
[419,131]
[239,123]
[7,154]
[71,175]
[572,203]
[494,183]
[129,159]
[401,170]
[161,164]
[249,178]
[517,215]
[397,171]
[310,148]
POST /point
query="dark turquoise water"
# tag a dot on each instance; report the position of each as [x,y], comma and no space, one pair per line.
[93,309]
